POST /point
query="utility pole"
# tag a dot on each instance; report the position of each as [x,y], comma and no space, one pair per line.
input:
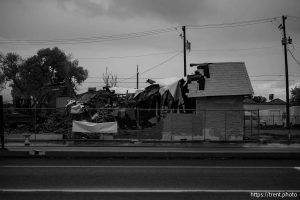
[184,50]
[284,42]
[137,77]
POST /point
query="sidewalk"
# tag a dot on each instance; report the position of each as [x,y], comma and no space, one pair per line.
[199,151]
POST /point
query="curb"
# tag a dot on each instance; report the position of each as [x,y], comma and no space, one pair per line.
[149,155]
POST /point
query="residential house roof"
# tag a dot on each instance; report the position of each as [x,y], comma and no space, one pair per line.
[277,102]
[272,102]
[225,79]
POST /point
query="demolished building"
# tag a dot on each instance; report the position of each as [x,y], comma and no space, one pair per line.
[206,105]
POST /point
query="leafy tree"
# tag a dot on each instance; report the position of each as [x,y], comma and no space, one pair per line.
[259,99]
[2,76]
[10,65]
[295,95]
[2,80]
[48,67]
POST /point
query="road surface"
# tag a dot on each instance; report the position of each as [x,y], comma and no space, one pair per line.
[146,179]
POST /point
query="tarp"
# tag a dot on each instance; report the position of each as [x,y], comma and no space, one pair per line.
[90,127]
[172,85]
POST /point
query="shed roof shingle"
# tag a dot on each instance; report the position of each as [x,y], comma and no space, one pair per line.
[226,79]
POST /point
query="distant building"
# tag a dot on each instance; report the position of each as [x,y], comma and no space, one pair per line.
[274,104]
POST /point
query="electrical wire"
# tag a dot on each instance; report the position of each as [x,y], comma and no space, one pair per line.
[105,38]
[169,52]
[232,24]
[155,66]
[294,57]
[128,56]
[240,49]
[151,68]
[290,17]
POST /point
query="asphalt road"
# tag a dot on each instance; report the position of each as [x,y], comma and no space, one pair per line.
[146,179]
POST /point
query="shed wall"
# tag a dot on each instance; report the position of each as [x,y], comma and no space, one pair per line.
[224,117]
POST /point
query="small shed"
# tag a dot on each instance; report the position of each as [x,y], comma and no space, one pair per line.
[219,90]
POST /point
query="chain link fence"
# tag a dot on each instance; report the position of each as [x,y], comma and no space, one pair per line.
[60,126]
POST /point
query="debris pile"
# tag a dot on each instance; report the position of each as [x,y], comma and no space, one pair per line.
[138,110]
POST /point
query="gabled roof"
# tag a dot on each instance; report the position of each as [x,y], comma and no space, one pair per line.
[272,102]
[277,102]
[225,79]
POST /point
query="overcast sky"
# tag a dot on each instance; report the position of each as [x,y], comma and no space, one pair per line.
[257,44]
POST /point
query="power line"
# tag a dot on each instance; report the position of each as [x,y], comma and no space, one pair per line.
[294,57]
[294,18]
[128,56]
[232,24]
[169,52]
[107,38]
[155,66]
[237,49]
[151,68]
[92,39]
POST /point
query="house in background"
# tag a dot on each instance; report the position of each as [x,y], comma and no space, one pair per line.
[275,104]
[272,112]
[219,90]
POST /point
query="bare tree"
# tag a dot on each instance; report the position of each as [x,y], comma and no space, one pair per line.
[114,80]
[109,79]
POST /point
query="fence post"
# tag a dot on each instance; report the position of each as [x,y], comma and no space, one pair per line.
[258,123]
[137,118]
[1,122]
[244,128]
[251,123]
[171,121]
[204,121]
[225,124]
[35,124]
[193,120]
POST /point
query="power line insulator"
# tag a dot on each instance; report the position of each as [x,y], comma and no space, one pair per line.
[290,41]
[284,41]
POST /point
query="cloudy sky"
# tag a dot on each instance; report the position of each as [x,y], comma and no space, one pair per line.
[121,34]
